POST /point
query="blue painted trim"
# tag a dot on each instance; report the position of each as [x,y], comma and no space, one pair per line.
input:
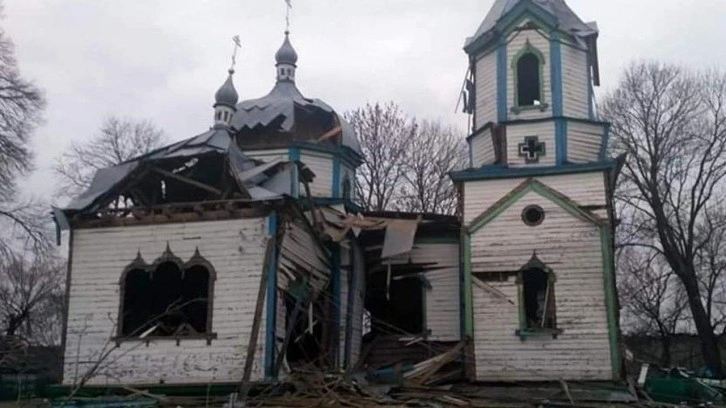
[502,109]
[556,72]
[503,172]
[294,155]
[605,142]
[337,298]
[271,321]
[561,140]
[336,178]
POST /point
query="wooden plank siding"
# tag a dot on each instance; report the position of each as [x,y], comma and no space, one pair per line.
[322,165]
[352,282]
[486,90]
[584,141]
[516,42]
[586,189]
[268,155]
[516,134]
[235,248]
[575,86]
[442,318]
[572,248]
[482,149]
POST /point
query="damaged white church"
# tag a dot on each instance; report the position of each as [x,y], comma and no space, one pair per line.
[240,253]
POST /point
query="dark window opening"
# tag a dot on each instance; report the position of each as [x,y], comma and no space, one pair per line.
[398,308]
[528,80]
[539,299]
[166,300]
[305,345]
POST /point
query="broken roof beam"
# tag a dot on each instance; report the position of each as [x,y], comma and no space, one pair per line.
[189,181]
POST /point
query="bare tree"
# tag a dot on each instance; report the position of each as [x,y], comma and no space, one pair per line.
[385,135]
[434,151]
[118,140]
[653,299]
[672,125]
[31,293]
[21,107]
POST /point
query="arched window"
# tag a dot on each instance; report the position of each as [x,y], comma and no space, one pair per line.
[528,68]
[166,299]
[537,312]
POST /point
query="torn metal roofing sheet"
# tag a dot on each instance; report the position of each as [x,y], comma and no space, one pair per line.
[263,181]
[279,106]
[103,181]
[567,19]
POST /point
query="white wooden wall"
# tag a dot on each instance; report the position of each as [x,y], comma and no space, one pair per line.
[236,250]
[322,165]
[584,142]
[575,86]
[586,189]
[516,42]
[516,134]
[486,90]
[443,317]
[572,248]
[482,149]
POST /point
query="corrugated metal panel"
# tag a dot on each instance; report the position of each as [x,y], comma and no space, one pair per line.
[236,250]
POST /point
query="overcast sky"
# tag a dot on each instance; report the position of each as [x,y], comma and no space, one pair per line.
[164,59]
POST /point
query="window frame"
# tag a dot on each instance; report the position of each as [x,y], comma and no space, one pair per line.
[524,331]
[168,257]
[529,49]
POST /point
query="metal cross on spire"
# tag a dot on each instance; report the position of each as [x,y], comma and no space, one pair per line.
[287,15]
[237,45]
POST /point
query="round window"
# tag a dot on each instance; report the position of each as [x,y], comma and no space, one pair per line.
[533,215]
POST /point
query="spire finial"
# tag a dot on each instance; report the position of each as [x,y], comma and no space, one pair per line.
[237,45]
[287,16]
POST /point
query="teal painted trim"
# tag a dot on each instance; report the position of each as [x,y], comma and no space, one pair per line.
[548,119]
[605,142]
[611,300]
[528,49]
[503,172]
[271,320]
[336,177]
[466,288]
[502,82]
[556,73]
[352,295]
[561,141]
[294,156]
[525,10]
[337,296]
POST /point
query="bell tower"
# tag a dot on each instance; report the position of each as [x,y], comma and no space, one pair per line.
[538,277]
[534,65]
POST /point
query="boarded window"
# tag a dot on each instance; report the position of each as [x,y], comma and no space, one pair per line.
[168,299]
[528,80]
[539,299]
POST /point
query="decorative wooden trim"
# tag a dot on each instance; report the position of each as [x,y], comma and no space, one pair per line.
[611,300]
[532,185]
[528,49]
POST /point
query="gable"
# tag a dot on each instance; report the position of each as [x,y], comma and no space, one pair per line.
[532,186]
